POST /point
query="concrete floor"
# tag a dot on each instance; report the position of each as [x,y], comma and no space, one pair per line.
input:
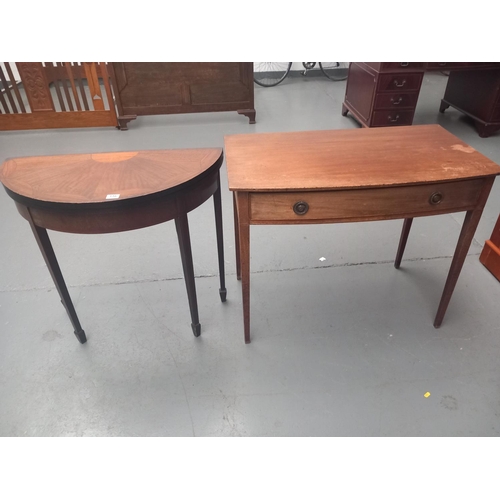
[340,347]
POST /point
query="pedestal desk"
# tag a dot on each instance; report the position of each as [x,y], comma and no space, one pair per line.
[355,175]
[385,94]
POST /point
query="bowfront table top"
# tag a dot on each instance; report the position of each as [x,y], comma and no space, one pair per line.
[355,158]
[351,176]
[111,192]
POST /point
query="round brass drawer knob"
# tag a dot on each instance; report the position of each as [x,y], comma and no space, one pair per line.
[301,207]
[436,198]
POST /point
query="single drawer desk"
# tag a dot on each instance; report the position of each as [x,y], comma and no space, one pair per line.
[355,175]
[112,192]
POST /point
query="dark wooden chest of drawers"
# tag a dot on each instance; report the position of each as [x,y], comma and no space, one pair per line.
[383,94]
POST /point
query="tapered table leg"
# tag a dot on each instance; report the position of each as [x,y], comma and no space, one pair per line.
[468,229]
[220,240]
[236,238]
[245,277]
[243,232]
[182,227]
[402,242]
[42,238]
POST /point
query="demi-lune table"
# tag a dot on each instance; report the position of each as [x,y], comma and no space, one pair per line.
[355,175]
[112,192]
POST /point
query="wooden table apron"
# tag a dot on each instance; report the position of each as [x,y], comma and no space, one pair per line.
[120,215]
[124,215]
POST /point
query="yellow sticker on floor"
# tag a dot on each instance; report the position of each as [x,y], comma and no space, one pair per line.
[427,394]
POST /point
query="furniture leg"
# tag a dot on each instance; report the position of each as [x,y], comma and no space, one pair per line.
[236,239]
[485,130]
[42,238]
[220,240]
[344,110]
[244,251]
[249,113]
[468,229]
[482,131]
[443,106]
[182,228]
[123,121]
[402,241]
[245,277]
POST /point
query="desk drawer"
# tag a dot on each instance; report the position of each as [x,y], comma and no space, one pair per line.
[392,118]
[396,101]
[445,65]
[364,204]
[399,82]
[402,65]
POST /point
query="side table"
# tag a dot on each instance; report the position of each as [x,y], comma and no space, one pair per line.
[369,174]
[112,192]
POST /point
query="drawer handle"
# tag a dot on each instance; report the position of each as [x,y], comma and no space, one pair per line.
[393,120]
[301,207]
[399,101]
[402,84]
[404,64]
[436,198]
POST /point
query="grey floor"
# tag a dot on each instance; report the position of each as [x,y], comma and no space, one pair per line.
[340,347]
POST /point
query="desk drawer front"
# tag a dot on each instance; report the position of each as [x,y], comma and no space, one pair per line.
[364,204]
[403,65]
[445,65]
[392,118]
[400,82]
[396,101]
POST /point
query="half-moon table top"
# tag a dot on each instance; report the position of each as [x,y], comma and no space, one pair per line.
[349,159]
[104,177]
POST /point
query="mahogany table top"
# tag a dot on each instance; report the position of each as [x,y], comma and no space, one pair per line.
[104,177]
[353,158]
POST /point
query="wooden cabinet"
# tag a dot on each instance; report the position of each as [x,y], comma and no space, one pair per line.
[476,94]
[166,88]
[490,256]
[383,94]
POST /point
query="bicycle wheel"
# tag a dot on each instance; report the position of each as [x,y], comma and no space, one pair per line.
[334,70]
[269,74]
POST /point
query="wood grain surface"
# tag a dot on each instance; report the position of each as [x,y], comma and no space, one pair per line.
[365,204]
[354,158]
[92,178]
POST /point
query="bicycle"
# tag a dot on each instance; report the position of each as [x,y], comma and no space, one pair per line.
[270,74]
